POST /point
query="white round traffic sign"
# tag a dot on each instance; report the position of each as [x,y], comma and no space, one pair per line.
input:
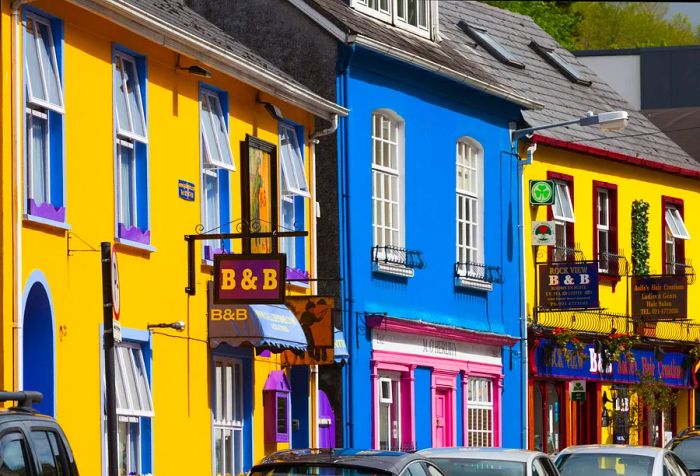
[115,285]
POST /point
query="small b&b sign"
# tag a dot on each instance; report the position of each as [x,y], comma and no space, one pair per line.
[249,279]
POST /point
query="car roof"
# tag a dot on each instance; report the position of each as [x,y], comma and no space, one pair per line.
[650,451]
[11,414]
[378,460]
[500,454]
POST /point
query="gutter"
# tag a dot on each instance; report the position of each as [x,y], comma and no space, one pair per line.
[616,156]
[185,43]
[350,39]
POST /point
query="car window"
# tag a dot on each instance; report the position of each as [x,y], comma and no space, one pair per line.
[302,469]
[414,469]
[432,470]
[604,464]
[680,463]
[537,469]
[479,467]
[689,452]
[13,455]
[547,466]
[49,452]
[671,467]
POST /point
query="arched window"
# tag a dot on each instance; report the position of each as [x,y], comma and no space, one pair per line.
[387,180]
[470,208]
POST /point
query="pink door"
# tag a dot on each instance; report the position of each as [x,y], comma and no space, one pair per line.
[443,419]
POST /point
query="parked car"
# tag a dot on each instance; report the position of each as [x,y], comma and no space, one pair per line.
[619,460]
[344,462]
[32,444]
[686,445]
[491,461]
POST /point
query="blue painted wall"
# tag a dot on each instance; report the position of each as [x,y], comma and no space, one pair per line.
[437,112]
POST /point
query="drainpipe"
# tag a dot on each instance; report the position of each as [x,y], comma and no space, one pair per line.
[16,106]
[313,379]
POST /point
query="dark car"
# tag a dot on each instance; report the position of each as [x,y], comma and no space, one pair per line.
[687,446]
[344,462]
[32,444]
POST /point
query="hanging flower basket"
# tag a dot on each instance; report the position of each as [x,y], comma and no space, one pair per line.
[618,344]
[561,338]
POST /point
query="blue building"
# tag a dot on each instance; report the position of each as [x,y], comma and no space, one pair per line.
[420,204]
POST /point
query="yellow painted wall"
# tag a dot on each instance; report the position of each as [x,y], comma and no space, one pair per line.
[152,283]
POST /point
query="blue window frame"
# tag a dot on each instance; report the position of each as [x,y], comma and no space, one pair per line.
[131,149]
[44,117]
[293,194]
[216,164]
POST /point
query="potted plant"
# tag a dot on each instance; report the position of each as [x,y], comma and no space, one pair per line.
[618,344]
[561,339]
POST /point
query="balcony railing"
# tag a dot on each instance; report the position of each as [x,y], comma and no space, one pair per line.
[396,256]
[684,269]
[479,272]
[563,254]
[613,264]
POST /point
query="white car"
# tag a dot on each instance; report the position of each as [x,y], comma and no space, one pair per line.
[619,460]
[491,461]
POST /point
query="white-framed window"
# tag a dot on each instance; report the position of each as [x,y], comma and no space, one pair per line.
[470,216]
[415,16]
[134,404]
[293,191]
[387,180]
[603,230]
[228,416]
[675,235]
[44,111]
[389,404]
[675,223]
[216,145]
[131,137]
[563,214]
[480,417]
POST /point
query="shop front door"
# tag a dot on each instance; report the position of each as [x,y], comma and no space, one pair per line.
[443,418]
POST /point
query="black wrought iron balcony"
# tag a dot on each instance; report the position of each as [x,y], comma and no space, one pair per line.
[567,254]
[478,272]
[396,256]
[683,269]
[613,264]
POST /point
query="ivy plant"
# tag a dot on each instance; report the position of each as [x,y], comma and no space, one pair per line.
[640,237]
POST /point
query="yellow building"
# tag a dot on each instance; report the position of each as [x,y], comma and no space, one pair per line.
[137,123]
[635,372]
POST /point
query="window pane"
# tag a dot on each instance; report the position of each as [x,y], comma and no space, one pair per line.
[215,132]
[220,129]
[122,445]
[50,69]
[208,134]
[292,163]
[211,191]
[218,452]
[127,186]
[281,414]
[31,61]
[37,130]
[287,212]
[120,101]
[228,393]
[133,97]
[603,209]
[44,454]
[13,457]
[237,395]
[142,380]
[228,443]
[58,452]
[218,392]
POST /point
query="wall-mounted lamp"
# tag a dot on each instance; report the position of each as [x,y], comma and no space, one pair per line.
[177,325]
[271,109]
[194,69]
[607,121]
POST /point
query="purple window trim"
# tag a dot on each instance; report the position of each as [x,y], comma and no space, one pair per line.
[47,211]
[134,234]
[296,273]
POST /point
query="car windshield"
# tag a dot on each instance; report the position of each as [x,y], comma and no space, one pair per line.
[315,470]
[486,467]
[608,464]
[689,451]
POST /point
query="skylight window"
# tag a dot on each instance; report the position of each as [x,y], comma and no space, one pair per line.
[566,68]
[497,50]
[409,15]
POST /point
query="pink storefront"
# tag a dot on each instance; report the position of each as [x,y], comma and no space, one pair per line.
[443,381]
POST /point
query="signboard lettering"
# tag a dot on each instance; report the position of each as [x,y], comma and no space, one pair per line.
[660,298]
[249,279]
[568,286]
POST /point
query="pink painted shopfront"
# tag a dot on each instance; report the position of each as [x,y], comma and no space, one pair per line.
[434,385]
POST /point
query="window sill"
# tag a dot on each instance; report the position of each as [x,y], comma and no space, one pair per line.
[393,269]
[471,283]
[134,244]
[609,279]
[46,222]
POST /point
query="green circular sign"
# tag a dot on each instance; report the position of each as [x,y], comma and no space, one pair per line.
[541,191]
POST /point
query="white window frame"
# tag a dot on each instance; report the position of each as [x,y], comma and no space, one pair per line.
[288,244]
[134,466]
[675,224]
[563,198]
[221,407]
[484,408]
[31,98]
[603,197]
[391,15]
[385,403]
[292,163]
[145,401]
[379,170]
[33,114]
[211,227]
[470,162]
[133,199]
[120,57]
[213,155]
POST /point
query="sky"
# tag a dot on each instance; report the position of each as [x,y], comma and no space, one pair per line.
[692,9]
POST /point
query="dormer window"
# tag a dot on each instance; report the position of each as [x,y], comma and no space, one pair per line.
[411,15]
[486,41]
[564,67]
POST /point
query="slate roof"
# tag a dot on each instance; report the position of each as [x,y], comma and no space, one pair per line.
[178,27]
[562,98]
